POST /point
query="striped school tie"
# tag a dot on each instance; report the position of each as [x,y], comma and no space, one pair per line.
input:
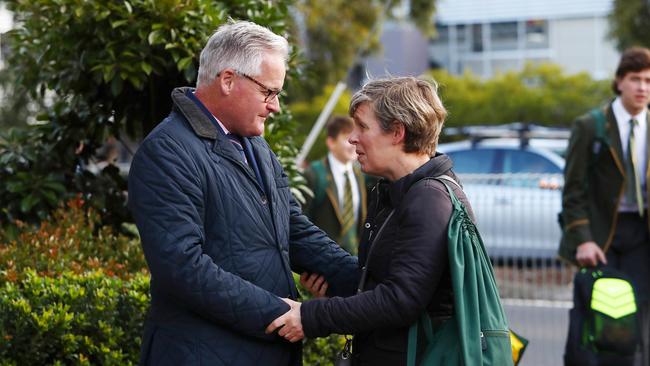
[632,181]
[348,224]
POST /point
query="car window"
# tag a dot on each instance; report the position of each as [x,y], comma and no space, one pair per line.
[521,161]
[479,161]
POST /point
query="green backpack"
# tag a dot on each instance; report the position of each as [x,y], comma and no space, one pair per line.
[477,333]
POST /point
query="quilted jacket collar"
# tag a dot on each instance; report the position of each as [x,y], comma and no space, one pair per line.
[200,123]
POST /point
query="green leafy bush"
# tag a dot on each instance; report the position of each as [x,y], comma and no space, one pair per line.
[96,69]
[540,94]
[71,292]
[39,172]
[73,239]
[74,292]
[72,319]
[31,187]
[305,114]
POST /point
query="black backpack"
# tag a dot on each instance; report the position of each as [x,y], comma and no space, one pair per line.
[603,324]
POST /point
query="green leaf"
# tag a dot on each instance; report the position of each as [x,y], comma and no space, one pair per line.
[136,82]
[146,68]
[154,37]
[15,187]
[50,197]
[28,202]
[55,186]
[119,23]
[182,63]
[109,73]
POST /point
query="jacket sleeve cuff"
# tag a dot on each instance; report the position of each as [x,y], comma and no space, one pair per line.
[309,315]
[580,233]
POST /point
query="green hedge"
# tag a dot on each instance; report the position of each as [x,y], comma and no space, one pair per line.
[71,239]
[72,319]
[90,319]
[73,292]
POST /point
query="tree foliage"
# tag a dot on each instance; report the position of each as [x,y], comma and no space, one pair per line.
[305,115]
[337,32]
[100,69]
[629,23]
[540,94]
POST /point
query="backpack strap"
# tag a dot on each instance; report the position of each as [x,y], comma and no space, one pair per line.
[444,177]
[321,182]
[454,200]
[599,117]
[600,136]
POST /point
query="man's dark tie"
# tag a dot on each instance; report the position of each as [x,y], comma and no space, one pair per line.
[237,143]
[632,182]
[348,227]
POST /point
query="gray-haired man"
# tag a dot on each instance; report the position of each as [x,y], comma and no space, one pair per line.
[220,229]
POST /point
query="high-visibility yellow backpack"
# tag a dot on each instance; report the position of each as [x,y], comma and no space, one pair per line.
[603,324]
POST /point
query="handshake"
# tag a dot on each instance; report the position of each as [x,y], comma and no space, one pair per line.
[289,325]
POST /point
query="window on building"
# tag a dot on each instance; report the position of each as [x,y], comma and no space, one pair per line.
[477,37]
[503,36]
[462,39]
[442,35]
[536,34]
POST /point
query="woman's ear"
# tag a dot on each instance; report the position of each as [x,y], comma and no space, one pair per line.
[399,133]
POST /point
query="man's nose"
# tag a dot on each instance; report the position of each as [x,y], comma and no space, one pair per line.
[273,105]
[645,85]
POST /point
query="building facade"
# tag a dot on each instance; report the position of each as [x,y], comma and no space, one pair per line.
[486,37]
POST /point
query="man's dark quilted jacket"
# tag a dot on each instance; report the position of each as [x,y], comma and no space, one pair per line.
[219,247]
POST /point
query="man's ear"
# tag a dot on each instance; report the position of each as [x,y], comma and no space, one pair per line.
[616,82]
[399,133]
[226,80]
[329,142]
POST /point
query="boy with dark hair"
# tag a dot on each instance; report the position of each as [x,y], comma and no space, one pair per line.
[605,197]
[339,203]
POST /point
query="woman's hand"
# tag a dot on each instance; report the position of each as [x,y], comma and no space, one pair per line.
[314,283]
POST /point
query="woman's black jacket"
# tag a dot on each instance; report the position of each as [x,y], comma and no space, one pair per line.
[408,269]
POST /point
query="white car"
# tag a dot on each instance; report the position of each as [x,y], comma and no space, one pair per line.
[515,191]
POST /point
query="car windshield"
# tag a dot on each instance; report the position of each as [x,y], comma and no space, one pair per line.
[521,161]
[474,161]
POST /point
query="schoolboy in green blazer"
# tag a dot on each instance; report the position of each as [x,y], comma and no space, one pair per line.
[605,199]
[326,208]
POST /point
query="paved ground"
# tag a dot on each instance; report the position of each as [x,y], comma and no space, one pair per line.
[544,324]
[535,282]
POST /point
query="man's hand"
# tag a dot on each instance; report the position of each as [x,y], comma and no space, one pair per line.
[589,254]
[289,323]
[314,283]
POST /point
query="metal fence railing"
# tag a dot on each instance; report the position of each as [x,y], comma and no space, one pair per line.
[516,215]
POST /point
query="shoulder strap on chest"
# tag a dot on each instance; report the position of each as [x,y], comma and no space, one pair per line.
[600,135]
[444,177]
[599,117]
[321,182]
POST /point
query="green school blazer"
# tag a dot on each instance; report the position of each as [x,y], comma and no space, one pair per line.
[594,177]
